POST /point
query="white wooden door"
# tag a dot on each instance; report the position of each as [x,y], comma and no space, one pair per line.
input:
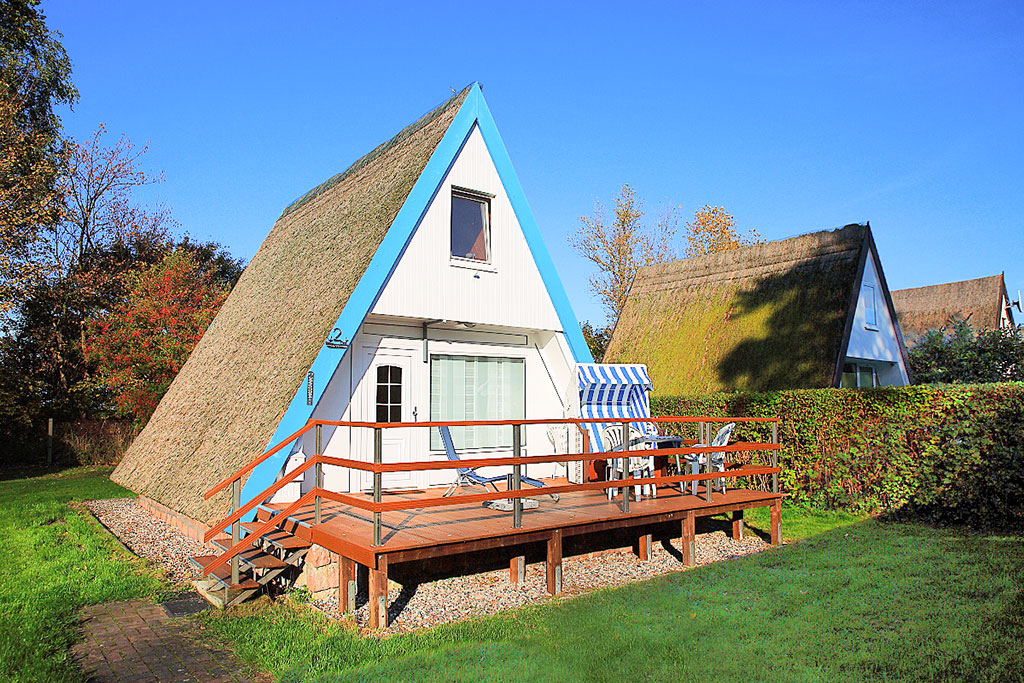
[387,393]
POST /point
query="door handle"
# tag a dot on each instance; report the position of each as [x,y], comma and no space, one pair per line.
[415,412]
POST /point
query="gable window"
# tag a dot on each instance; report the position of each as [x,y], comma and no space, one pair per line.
[389,393]
[471,226]
[856,375]
[476,388]
[870,314]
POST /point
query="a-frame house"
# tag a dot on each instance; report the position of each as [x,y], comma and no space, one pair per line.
[805,312]
[414,285]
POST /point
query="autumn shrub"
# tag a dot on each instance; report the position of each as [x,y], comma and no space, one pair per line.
[949,453]
[141,344]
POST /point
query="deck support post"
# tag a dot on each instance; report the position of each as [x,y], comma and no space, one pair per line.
[379,593]
[776,521]
[688,545]
[318,472]
[236,528]
[775,457]
[737,525]
[644,547]
[517,477]
[378,446]
[346,585]
[554,562]
[517,569]
[625,466]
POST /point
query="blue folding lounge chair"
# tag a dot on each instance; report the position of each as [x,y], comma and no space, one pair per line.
[467,476]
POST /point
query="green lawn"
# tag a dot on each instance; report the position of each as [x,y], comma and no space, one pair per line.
[53,561]
[855,600]
[864,601]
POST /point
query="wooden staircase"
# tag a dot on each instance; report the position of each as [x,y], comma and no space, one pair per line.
[271,564]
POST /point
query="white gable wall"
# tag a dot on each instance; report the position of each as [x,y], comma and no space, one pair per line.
[876,342]
[511,316]
[428,283]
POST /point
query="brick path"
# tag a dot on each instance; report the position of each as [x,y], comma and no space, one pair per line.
[136,641]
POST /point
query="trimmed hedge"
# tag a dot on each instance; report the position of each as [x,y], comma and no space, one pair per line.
[950,453]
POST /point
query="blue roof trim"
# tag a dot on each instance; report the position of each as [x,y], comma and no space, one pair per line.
[499,155]
[472,112]
[367,290]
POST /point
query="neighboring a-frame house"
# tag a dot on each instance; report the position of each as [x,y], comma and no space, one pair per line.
[982,302]
[415,285]
[805,312]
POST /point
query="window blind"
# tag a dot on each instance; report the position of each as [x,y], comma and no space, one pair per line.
[476,388]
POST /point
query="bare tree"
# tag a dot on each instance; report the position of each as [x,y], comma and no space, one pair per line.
[98,183]
[621,246]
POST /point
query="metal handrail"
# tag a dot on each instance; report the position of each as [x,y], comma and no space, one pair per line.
[310,424]
[517,460]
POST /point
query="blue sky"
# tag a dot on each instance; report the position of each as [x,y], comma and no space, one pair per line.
[794,116]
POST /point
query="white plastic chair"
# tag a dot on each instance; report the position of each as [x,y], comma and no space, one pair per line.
[717,459]
[640,466]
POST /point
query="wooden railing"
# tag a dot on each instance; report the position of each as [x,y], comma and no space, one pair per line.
[516,461]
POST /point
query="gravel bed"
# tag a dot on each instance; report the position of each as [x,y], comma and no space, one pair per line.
[149,537]
[445,600]
[461,597]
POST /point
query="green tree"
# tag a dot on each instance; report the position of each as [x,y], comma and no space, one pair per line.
[35,77]
[956,353]
[597,339]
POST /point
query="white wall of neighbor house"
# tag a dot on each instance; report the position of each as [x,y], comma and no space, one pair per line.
[873,339]
[429,283]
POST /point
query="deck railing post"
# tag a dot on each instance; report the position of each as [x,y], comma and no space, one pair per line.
[318,472]
[625,466]
[378,442]
[517,477]
[775,457]
[708,483]
[236,528]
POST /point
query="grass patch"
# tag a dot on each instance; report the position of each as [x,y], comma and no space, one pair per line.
[863,601]
[798,523]
[54,561]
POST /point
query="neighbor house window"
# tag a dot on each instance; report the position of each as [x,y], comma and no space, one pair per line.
[471,226]
[856,375]
[389,393]
[870,315]
[476,388]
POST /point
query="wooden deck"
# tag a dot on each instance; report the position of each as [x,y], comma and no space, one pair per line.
[401,528]
[435,532]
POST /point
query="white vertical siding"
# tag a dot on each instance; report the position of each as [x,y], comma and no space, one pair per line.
[548,367]
[877,342]
[428,284]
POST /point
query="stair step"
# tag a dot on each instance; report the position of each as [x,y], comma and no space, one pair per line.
[222,542]
[286,541]
[223,574]
[282,539]
[262,560]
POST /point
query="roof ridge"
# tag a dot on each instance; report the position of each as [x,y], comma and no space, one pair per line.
[948,284]
[374,153]
[771,253]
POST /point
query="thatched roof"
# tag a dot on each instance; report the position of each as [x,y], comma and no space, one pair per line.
[977,301]
[764,317]
[224,405]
